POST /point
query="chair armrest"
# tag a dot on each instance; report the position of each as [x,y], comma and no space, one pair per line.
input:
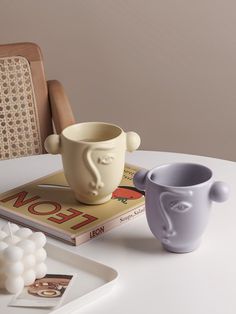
[62,114]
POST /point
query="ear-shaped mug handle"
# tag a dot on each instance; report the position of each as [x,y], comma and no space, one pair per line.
[132,141]
[140,179]
[219,192]
[52,144]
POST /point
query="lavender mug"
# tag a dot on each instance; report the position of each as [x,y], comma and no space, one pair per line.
[178,201]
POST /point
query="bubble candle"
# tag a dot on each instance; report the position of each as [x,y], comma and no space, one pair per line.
[22,257]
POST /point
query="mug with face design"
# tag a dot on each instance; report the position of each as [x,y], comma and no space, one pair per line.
[93,156]
[178,199]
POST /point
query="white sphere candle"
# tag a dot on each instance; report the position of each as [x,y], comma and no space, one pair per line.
[23,233]
[14,284]
[3,246]
[14,269]
[13,254]
[11,240]
[29,261]
[29,277]
[2,235]
[41,270]
[40,255]
[13,228]
[22,257]
[27,245]
[39,239]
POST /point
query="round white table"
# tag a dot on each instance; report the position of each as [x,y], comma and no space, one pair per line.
[150,279]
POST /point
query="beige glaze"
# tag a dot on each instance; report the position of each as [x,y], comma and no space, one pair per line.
[93,156]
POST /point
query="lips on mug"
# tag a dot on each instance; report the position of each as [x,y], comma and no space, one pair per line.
[93,156]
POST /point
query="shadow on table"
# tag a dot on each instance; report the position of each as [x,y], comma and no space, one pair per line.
[144,244]
[138,243]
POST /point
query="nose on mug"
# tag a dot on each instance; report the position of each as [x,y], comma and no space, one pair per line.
[178,198]
[93,156]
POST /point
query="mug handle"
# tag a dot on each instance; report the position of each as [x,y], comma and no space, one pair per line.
[140,179]
[132,141]
[52,144]
[219,192]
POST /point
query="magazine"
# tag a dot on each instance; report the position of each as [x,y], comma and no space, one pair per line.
[48,205]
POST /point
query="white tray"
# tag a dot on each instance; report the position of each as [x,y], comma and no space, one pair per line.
[94,280]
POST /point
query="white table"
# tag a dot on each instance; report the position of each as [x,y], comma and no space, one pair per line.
[152,280]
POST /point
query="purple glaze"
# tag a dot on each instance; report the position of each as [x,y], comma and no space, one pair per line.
[178,200]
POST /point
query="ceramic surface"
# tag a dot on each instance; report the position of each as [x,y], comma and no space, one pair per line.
[178,201]
[93,156]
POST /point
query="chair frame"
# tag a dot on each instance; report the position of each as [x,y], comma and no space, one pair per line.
[52,103]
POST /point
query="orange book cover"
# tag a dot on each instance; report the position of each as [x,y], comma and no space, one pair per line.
[48,205]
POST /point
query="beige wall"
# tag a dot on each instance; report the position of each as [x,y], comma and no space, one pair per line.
[164,68]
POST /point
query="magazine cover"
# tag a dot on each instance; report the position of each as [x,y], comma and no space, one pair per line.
[49,205]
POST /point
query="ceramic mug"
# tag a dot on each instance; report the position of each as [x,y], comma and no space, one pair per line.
[178,199]
[93,156]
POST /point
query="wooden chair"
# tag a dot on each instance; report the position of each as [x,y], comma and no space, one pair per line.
[30,107]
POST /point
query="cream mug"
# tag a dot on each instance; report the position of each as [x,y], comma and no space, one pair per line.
[93,156]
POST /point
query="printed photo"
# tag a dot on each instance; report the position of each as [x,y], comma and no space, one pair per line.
[45,292]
